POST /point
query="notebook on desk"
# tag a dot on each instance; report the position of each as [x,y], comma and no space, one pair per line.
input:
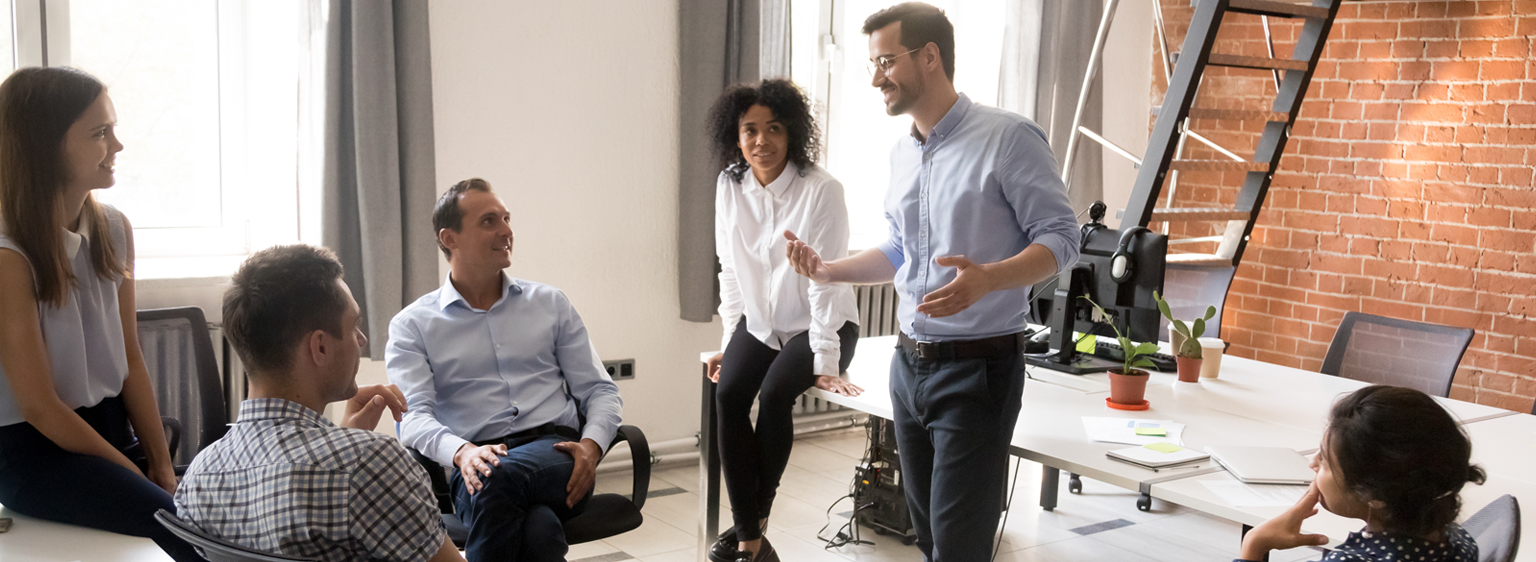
[1263,465]
[1157,455]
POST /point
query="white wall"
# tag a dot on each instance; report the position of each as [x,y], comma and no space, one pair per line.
[1127,78]
[569,109]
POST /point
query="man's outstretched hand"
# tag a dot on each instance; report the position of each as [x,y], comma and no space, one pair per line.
[972,282]
[805,260]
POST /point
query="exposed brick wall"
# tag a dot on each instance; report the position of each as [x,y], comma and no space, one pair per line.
[1405,191]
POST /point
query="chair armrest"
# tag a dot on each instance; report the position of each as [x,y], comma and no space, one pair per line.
[172,433]
[640,459]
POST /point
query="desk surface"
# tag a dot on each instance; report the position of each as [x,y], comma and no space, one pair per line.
[1506,447]
[35,540]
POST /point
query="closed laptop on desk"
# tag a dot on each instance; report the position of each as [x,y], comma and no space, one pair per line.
[1263,465]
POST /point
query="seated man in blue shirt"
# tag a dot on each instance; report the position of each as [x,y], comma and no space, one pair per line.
[285,479]
[498,374]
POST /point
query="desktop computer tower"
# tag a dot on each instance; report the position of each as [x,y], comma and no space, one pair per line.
[879,501]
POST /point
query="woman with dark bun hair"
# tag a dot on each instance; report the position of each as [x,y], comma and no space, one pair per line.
[783,332]
[1394,458]
[81,440]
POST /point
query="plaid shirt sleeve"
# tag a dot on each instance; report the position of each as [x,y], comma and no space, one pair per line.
[394,514]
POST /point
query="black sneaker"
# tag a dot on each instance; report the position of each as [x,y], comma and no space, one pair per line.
[724,549]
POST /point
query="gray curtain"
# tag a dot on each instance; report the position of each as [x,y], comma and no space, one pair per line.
[379,169]
[1046,45]
[720,42]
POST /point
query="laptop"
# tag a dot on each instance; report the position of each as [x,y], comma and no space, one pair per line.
[1263,465]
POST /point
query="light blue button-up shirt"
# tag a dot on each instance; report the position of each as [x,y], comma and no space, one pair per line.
[471,375]
[985,185]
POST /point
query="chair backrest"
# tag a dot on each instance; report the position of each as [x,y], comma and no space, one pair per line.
[1382,350]
[216,549]
[178,352]
[1496,529]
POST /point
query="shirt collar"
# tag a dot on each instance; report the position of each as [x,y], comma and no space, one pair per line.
[74,240]
[749,183]
[278,409]
[450,294]
[949,122]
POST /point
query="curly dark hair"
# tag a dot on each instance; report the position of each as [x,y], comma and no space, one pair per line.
[1398,446]
[788,105]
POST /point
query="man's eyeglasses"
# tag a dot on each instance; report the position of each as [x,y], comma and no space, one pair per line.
[882,63]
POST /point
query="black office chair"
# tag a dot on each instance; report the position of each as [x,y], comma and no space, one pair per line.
[1496,529]
[606,515]
[216,549]
[178,352]
[1382,350]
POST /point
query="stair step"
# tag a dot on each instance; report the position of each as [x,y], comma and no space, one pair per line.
[1217,166]
[1230,114]
[1198,259]
[1257,63]
[1185,214]
[1277,9]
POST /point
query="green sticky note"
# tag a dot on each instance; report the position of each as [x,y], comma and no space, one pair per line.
[1152,431]
[1164,447]
[1088,343]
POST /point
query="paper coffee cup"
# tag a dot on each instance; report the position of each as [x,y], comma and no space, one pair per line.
[1211,349]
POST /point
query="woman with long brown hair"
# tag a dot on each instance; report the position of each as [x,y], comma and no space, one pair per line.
[81,440]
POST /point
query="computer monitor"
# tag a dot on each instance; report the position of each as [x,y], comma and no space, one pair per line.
[1129,301]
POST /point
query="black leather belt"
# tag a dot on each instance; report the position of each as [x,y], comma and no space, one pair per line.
[968,349]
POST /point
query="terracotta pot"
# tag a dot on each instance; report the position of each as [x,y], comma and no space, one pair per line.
[1189,368]
[1129,389]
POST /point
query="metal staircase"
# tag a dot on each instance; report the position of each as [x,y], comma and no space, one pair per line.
[1197,278]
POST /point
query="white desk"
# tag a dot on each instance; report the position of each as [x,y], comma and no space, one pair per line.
[1251,403]
[1189,492]
[35,540]
[1507,447]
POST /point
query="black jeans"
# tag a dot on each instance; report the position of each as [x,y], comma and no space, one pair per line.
[753,460]
[41,479]
[954,419]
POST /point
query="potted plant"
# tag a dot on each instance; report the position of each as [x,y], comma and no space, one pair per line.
[1128,385]
[1186,344]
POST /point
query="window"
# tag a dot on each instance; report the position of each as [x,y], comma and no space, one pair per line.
[828,60]
[217,107]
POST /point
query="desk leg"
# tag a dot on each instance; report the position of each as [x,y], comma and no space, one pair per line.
[709,470]
[1050,483]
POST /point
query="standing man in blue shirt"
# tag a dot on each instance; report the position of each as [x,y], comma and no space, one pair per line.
[498,374]
[978,213]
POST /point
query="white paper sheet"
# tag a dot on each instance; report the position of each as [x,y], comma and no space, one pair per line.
[1123,430]
[1256,495]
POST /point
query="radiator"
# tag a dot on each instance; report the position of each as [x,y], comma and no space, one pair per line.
[877,317]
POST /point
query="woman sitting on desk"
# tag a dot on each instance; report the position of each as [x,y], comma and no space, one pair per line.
[783,332]
[1393,457]
[81,440]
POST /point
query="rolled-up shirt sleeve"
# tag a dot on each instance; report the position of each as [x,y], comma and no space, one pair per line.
[1033,187]
[586,378]
[405,361]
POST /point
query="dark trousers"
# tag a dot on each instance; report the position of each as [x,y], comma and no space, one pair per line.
[954,419]
[40,479]
[520,514]
[754,460]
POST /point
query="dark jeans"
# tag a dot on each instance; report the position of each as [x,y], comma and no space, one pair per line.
[754,460]
[954,419]
[40,479]
[519,515]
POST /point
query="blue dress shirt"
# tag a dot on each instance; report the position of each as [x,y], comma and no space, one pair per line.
[985,185]
[471,375]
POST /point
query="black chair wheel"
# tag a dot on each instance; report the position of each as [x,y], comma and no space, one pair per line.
[881,531]
[909,540]
[1075,484]
[1144,503]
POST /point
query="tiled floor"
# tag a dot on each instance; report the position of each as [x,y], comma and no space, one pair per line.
[1100,524]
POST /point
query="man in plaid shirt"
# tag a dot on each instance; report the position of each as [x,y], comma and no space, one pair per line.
[285,479]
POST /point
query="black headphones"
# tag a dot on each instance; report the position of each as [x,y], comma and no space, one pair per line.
[1121,266]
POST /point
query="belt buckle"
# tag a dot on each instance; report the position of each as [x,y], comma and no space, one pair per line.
[927,350]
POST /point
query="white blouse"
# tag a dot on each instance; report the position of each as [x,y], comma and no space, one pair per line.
[84,335]
[756,278]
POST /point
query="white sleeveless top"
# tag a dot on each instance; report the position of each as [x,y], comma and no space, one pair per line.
[85,335]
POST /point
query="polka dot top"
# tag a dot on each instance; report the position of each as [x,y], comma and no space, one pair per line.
[1366,546]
